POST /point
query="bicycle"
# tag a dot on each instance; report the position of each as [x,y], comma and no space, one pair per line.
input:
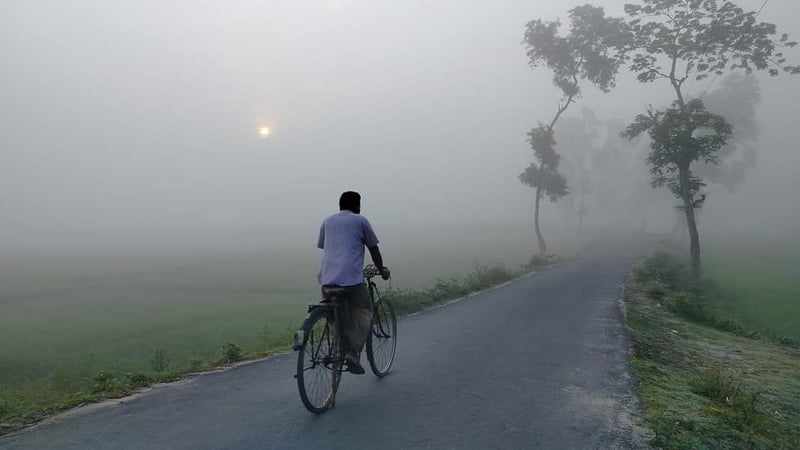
[320,343]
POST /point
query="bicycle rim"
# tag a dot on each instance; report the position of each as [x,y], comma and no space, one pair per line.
[382,341]
[319,363]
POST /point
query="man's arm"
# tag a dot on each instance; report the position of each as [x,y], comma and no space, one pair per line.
[377,259]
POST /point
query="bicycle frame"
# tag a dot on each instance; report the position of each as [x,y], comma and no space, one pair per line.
[373,293]
[333,306]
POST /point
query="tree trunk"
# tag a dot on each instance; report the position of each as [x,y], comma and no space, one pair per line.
[691,224]
[539,237]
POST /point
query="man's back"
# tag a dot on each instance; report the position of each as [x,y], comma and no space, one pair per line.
[342,238]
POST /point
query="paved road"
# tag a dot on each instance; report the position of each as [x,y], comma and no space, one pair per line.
[540,363]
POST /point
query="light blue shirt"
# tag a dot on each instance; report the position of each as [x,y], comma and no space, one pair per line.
[342,238]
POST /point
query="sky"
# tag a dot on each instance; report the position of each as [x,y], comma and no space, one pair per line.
[136,122]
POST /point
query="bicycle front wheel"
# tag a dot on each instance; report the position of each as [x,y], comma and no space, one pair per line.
[382,341]
[319,362]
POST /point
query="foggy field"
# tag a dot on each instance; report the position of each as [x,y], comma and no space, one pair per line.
[760,281]
[67,320]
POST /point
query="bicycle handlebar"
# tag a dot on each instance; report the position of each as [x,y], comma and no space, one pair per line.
[371,271]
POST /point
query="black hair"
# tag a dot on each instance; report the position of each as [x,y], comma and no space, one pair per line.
[349,200]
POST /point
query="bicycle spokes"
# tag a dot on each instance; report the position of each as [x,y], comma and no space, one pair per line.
[319,363]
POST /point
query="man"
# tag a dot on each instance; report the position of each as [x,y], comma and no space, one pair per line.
[342,239]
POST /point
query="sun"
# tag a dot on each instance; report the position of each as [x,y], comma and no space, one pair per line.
[264,132]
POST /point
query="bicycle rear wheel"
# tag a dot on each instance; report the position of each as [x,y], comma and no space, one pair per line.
[382,341]
[319,362]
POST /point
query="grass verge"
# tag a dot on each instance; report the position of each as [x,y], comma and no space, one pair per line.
[27,401]
[705,380]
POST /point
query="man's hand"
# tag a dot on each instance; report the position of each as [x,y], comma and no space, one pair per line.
[378,260]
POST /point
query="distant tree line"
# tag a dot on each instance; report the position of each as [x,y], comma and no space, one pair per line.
[669,43]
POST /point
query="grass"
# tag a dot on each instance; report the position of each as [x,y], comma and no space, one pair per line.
[73,332]
[761,285]
[705,383]
[482,277]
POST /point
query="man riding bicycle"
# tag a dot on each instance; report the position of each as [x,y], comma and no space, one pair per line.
[342,238]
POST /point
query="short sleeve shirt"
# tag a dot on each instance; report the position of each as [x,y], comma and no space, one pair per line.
[342,238]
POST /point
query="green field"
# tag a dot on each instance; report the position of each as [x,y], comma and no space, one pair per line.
[73,329]
[761,283]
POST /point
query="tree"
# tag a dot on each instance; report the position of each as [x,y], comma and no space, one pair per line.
[681,40]
[543,175]
[587,52]
[680,136]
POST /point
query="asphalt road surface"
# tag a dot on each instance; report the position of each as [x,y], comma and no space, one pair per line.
[539,363]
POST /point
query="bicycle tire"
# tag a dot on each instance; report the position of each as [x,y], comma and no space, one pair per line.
[382,340]
[319,362]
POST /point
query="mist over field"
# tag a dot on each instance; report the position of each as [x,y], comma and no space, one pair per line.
[133,127]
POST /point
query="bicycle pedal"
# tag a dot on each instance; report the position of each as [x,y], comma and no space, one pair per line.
[299,335]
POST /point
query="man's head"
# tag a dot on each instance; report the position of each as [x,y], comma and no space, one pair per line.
[350,201]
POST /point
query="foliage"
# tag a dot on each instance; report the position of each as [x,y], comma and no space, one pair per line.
[664,277]
[688,305]
[662,268]
[231,353]
[408,300]
[682,40]
[546,180]
[587,52]
[679,137]
[707,37]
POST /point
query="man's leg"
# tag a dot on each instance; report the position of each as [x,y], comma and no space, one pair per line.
[358,320]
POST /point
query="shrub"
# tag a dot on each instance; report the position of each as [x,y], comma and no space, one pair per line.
[106,382]
[714,384]
[406,301]
[687,304]
[137,379]
[486,276]
[663,268]
[725,390]
[231,353]
[447,289]
[656,290]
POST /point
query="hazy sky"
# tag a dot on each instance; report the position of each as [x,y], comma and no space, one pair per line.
[126,120]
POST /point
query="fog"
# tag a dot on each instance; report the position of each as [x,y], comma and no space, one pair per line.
[133,126]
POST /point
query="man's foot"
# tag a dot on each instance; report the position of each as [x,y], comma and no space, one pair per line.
[353,365]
